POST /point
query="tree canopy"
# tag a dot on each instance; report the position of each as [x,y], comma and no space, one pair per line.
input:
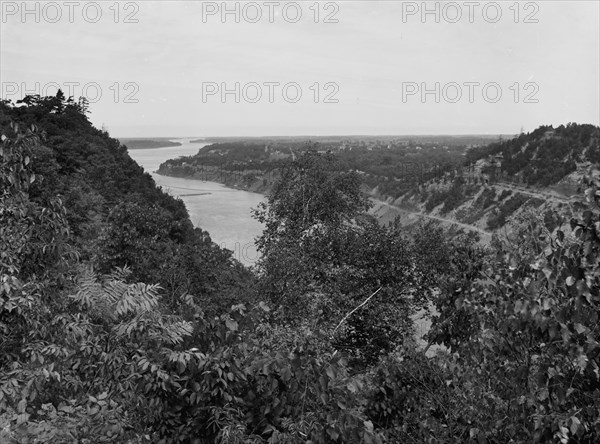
[122,323]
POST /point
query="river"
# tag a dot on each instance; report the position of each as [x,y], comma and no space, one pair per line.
[223,212]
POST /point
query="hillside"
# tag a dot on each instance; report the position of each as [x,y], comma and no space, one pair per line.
[121,323]
[542,158]
[116,214]
[467,182]
[540,170]
[396,163]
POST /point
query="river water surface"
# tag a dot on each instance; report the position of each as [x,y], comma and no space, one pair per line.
[223,212]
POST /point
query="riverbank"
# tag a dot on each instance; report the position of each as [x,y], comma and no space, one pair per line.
[252,182]
[224,212]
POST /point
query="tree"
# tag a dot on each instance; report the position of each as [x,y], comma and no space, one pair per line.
[313,190]
[83,105]
[532,332]
[323,255]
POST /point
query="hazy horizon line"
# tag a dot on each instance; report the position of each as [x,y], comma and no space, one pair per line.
[321,136]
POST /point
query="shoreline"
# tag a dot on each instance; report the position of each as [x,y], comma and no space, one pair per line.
[409,217]
[135,148]
[232,187]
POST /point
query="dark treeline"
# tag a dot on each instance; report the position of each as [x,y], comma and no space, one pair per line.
[120,322]
[397,166]
[538,159]
[394,166]
[544,156]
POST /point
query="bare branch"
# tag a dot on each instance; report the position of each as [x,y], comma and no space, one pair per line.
[350,314]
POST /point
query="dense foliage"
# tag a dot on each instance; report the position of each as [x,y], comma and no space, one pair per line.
[395,165]
[421,174]
[120,322]
[323,255]
[546,155]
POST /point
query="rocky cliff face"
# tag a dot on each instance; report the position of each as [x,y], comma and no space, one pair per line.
[252,181]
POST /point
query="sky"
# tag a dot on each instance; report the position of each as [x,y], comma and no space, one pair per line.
[265,68]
